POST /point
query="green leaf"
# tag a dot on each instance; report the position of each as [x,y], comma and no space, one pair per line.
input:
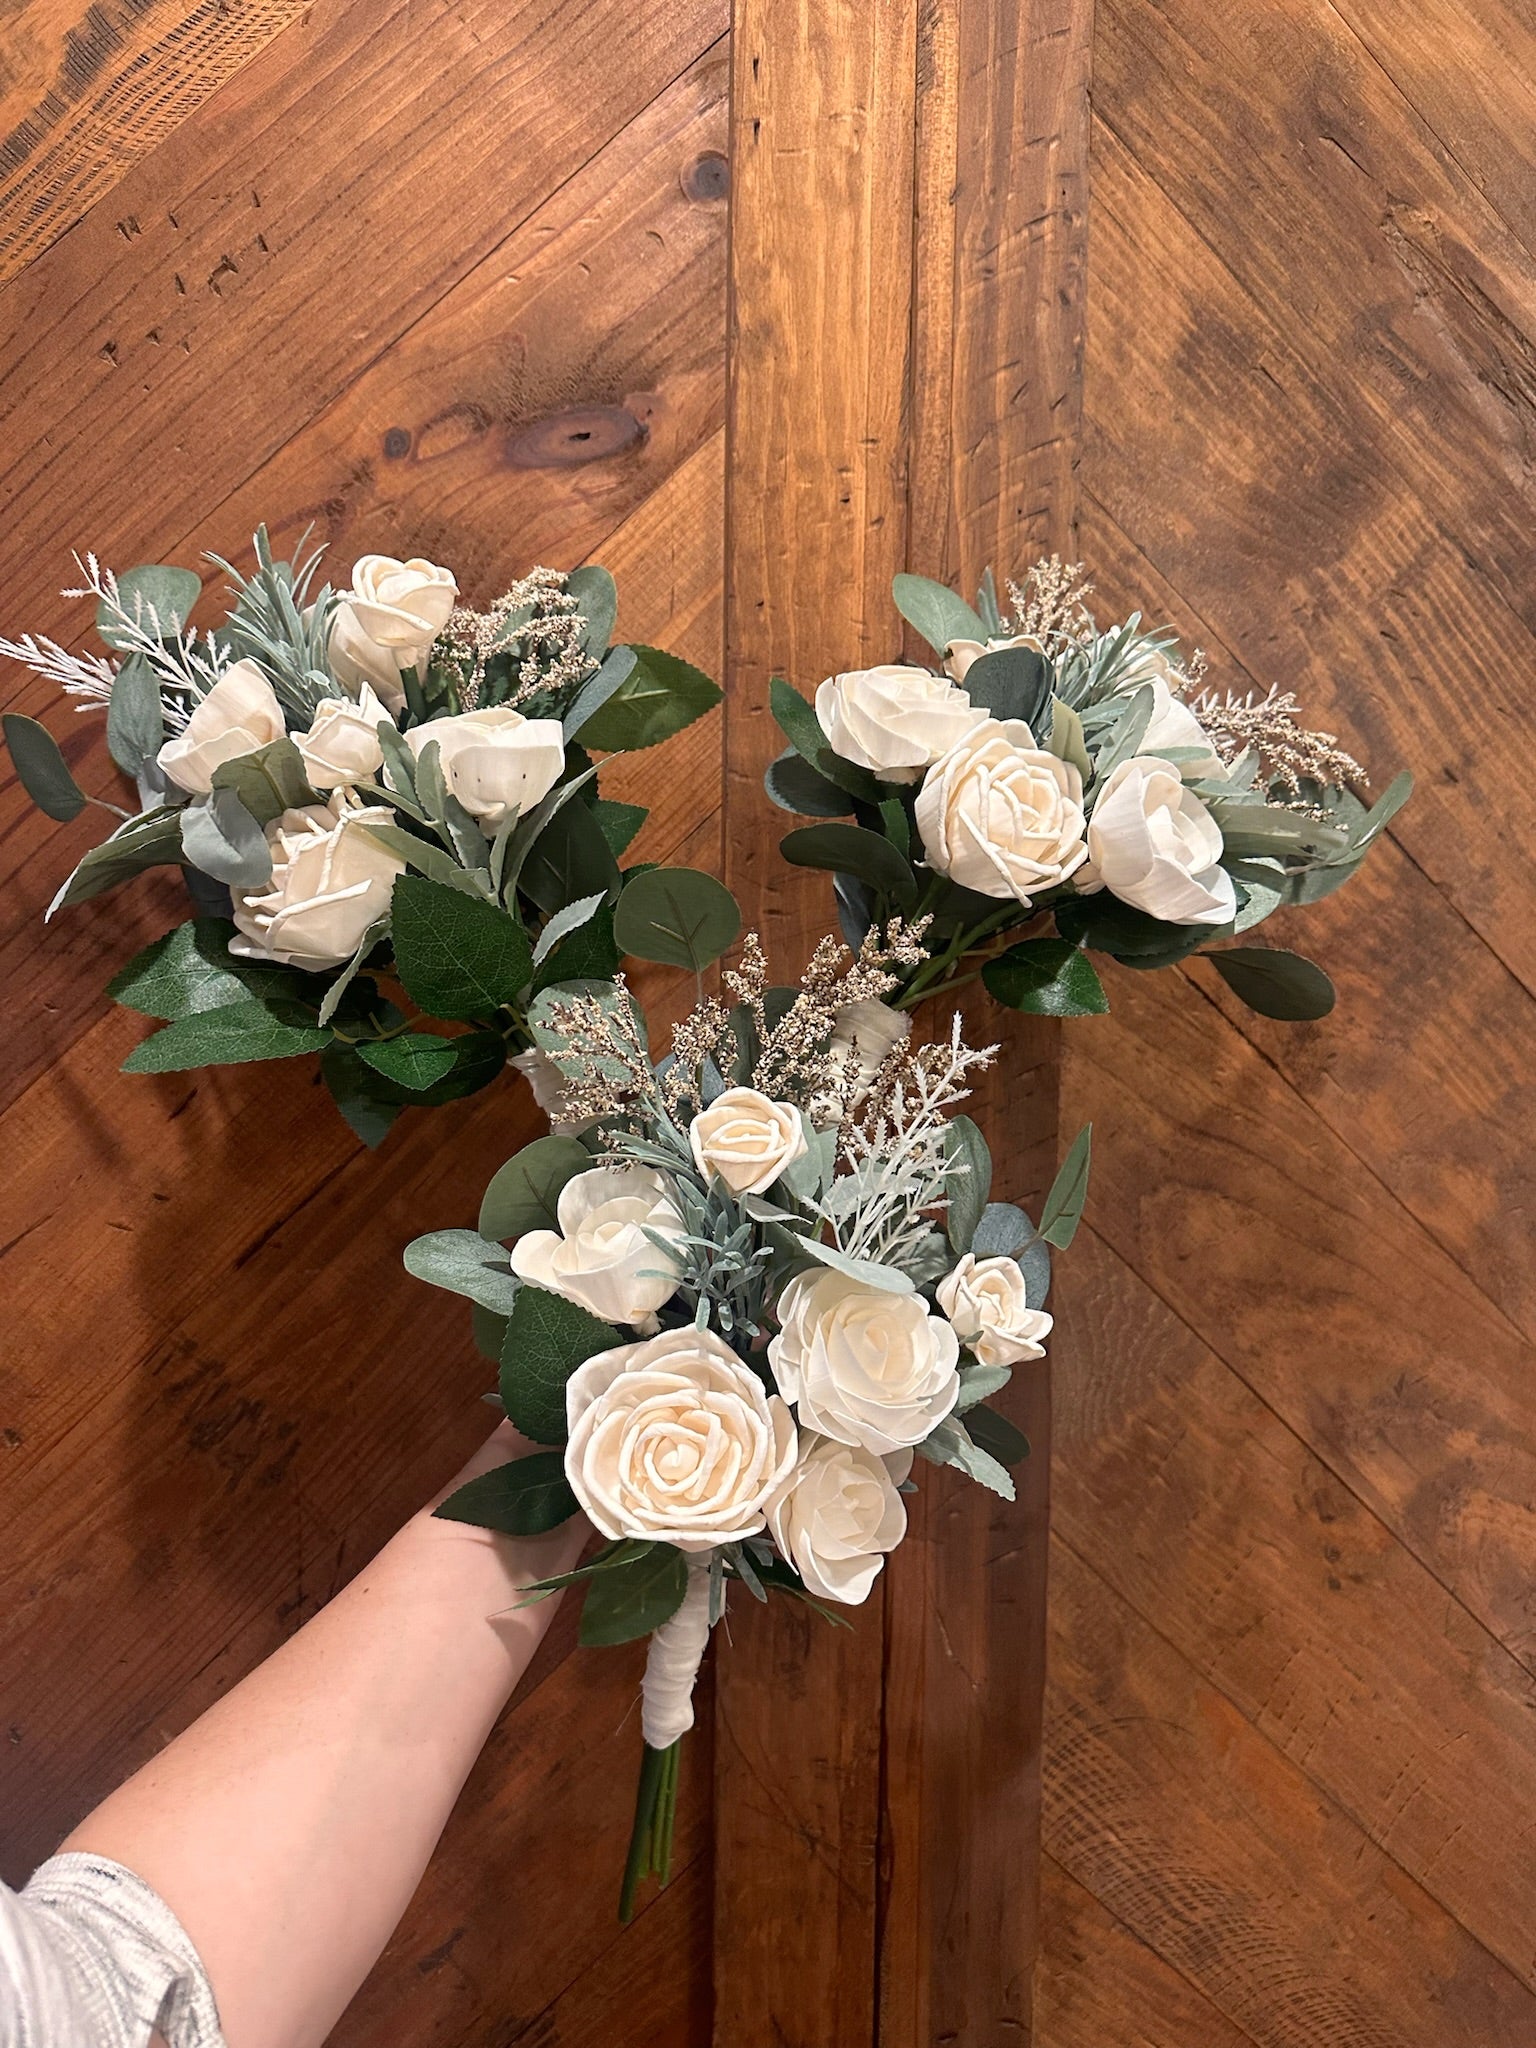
[977,1381]
[896,825]
[135,716]
[368,1104]
[569,859]
[336,993]
[1110,926]
[1381,813]
[522,1194]
[1249,830]
[586,954]
[952,1444]
[490,1332]
[219,836]
[597,599]
[427,859]
[850,850]
[1274,982]
[457,955]
[938,614]
[153,588]
[884,1279]
[1010,682]
[547,1338]
[996,1435]
[233,1033]
[1066,741]
[1046,978]
[269,781]
[1126,734]
[523,1498]
[41,769]
[676,915]
[415,1059]
[800,726]
[153,839]
[618,823]
[661,695]
[462,1262]
[794,785]
[595,692]
[1069,1191]
[1035,1265]
[1002,1231]
[571,917]
[191,969]
[968,1182]
[635,1597]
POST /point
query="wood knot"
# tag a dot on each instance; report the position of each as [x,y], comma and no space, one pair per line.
[584,433]
[397,442]
[708,177]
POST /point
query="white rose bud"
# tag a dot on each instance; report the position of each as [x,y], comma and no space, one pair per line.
[601,1257]
[961,653]
[1175,725]
[988,1303]
[342,744]
[747,1139]
[864,1034]
[1000,815]
[1154,845]
[238,715]
[674,1440]
[549,1085]
[861,1365]
[356,661]
[330,882]
[495,761]
[402,605]
[838,1515]
[893,720]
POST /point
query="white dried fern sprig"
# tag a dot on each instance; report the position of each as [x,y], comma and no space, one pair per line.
[90,676]
[186,664]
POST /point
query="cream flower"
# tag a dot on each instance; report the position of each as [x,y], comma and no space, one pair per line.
[864,1366]
[864,1035]
[988,1303]
[342,744]
[601,1256]
[747,1139]
[961,653]
[674,1440]
[837,1516]
[238,715]
[330,882]
[1000,815]
[495,761]
[388,621]
[1173,724]
[1156,846]
[356,661]
[893,720]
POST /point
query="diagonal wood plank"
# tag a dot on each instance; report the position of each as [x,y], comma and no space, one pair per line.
[84,95]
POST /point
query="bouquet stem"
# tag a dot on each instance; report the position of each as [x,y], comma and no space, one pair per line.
[650,1841]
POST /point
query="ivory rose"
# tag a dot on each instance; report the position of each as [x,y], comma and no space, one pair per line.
[238,715]
[1155,845]
[747,1139]
[961,653]
[1173,724]
[342,744]
[388,621]
[330,882]
[601,1256]
[864,1034]
[837,1515]
[864,1366]
[893,720]
[674,1440]
[1000,815]
[987,1302]
[495,761]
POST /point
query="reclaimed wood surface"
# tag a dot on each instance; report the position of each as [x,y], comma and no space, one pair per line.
[1290,1780]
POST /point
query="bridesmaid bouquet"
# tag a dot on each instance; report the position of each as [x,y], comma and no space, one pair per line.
[384,804]
[1057,791]
[749,1282]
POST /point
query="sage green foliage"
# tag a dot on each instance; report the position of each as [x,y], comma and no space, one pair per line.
[464,1263]
[1063,1209]
[522,1195]
[135,716]
[1274,982]
[547,1338]
[523,1498]
[679,916]
[41,769]
[159,596]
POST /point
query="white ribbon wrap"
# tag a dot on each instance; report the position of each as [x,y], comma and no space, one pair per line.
[672,1666]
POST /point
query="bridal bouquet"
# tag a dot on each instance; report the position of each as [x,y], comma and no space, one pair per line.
[1059,790]
[766,1274]
[378,781]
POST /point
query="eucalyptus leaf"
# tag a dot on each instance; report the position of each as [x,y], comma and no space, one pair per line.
[159,596]
[135,716]
[547,1338]
[366,1101]
[522,1498]
[659,697]
[523,1194]
[227,1036]
[801,727]
[1381,813]
[153,839]
[938,614]
[1274,982]
[1269,830]
[1035,1265]
[1109,926]
[457,956]
[618,823]
[868,857]
[1063,1208]
[463,1263]
[220,837]
[1046,978]
[268,781]
[968,1182]
[1010,683]
[1002,1231]
[597,599]
[41,769]
[679,916]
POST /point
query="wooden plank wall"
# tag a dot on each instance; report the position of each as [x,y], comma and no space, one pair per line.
[1291,1775]
[450,283]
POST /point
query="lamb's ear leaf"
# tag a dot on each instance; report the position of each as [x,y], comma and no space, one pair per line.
[937,612]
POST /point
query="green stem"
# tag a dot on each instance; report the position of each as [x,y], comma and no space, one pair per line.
[650,1841]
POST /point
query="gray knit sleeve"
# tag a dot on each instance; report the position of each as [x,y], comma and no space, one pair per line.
[90,1957]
